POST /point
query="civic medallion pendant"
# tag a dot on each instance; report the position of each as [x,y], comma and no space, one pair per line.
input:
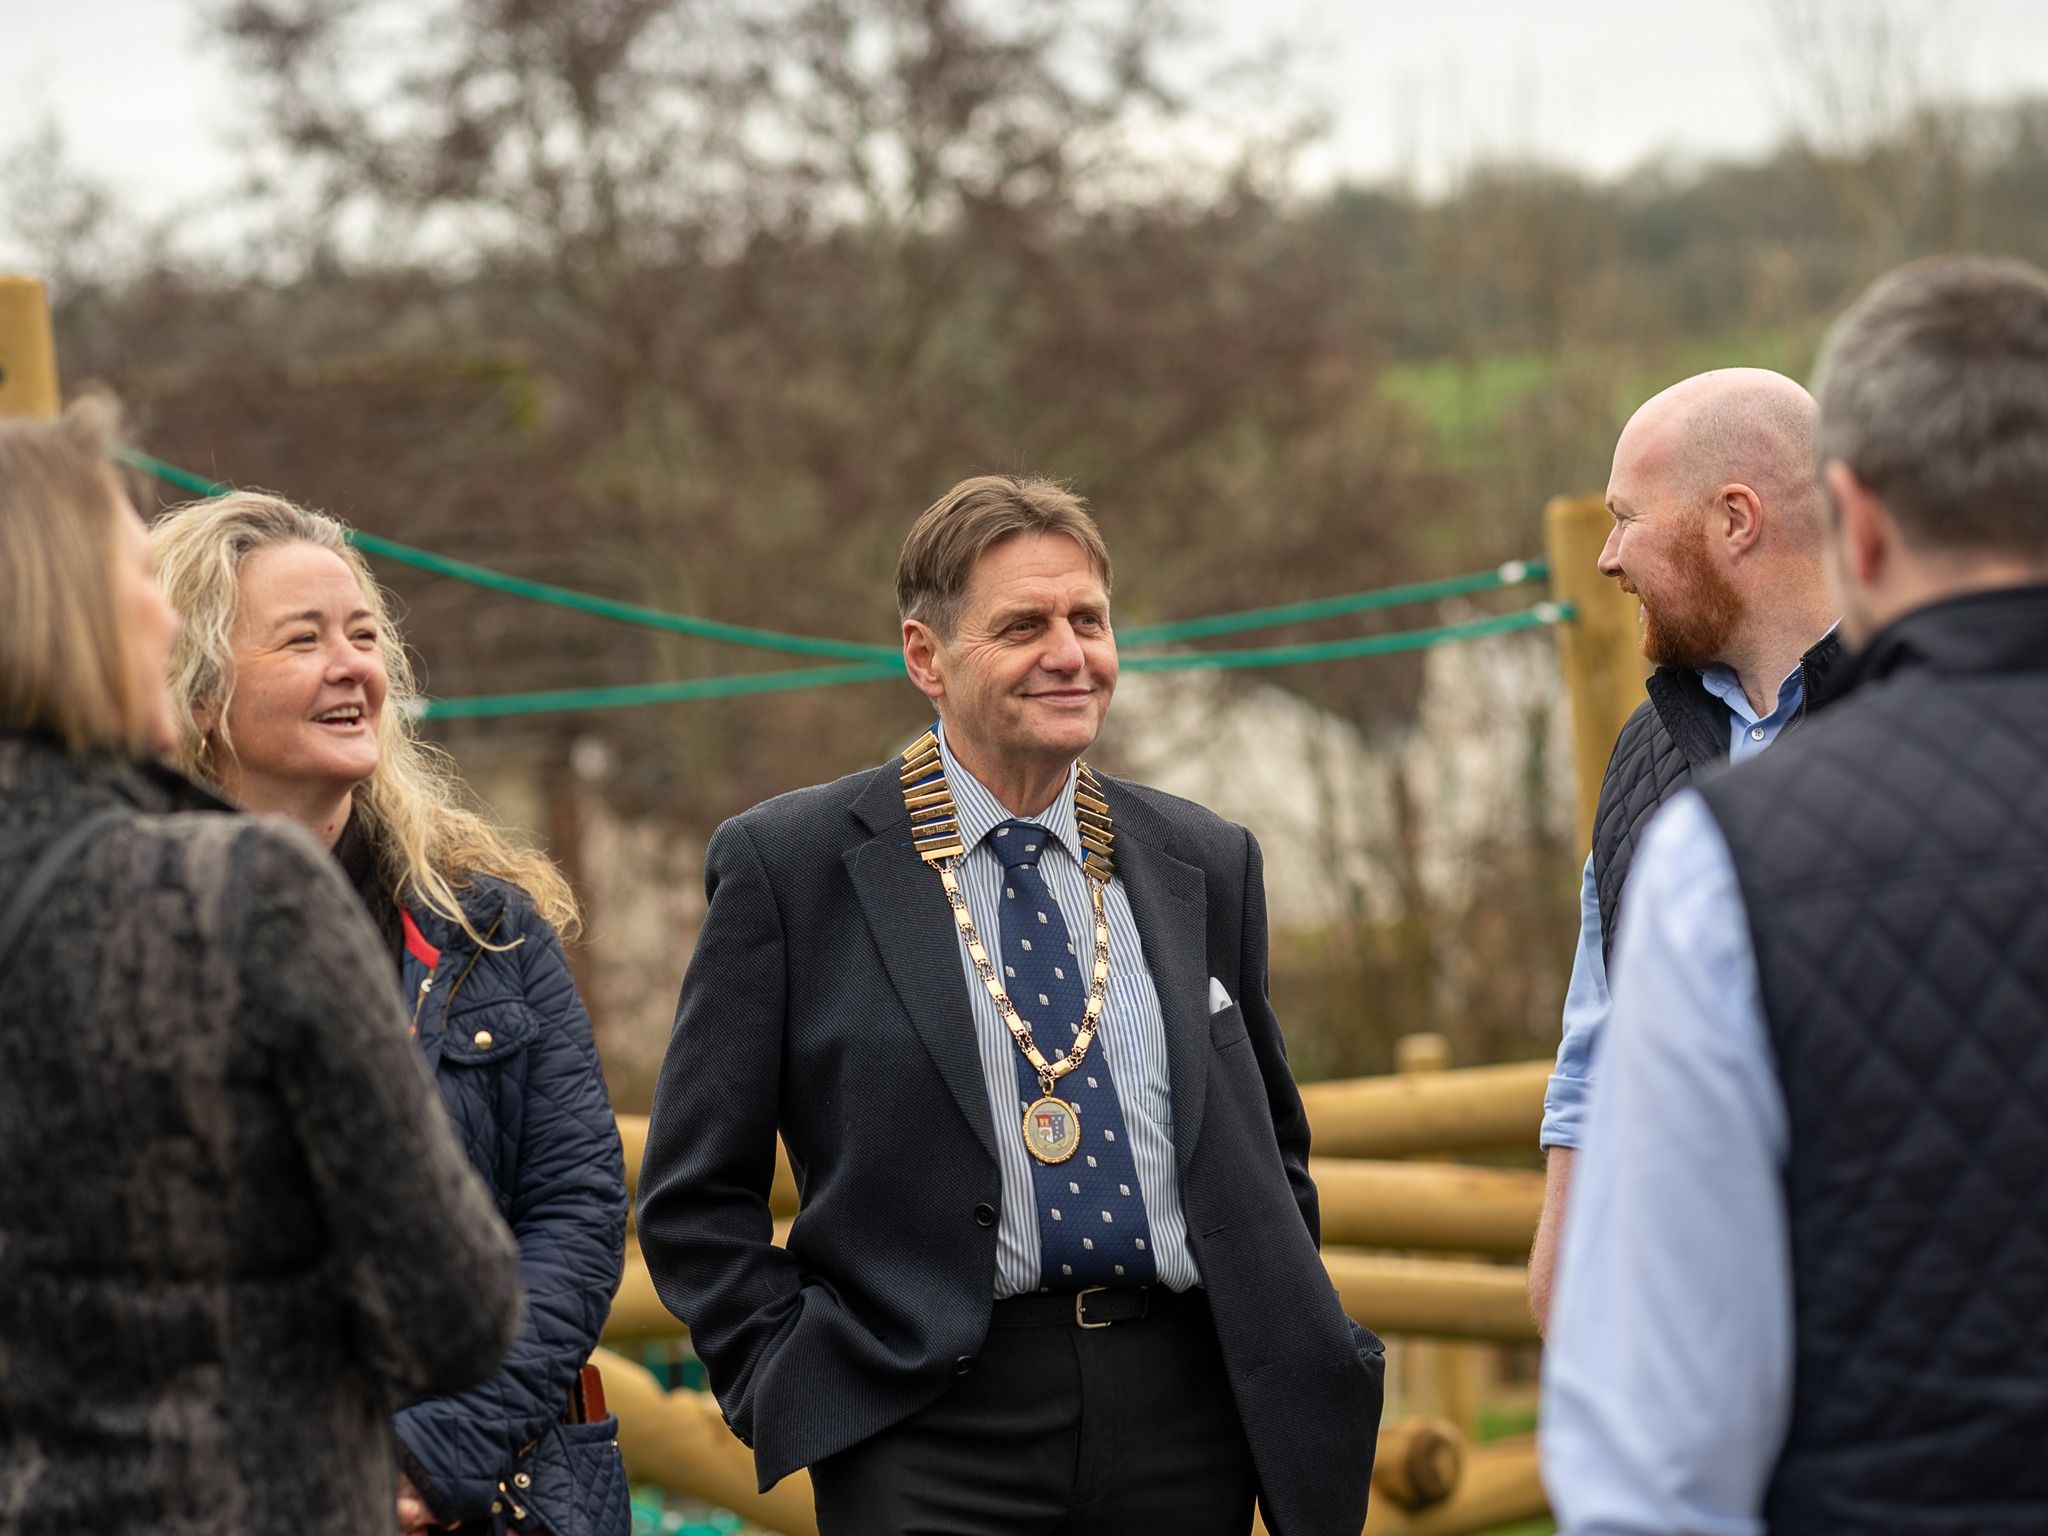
[1052,1129]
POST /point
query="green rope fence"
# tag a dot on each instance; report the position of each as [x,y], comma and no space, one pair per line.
[1541,616]
[544,592]
[1513,574]
[487,706]
[874,663]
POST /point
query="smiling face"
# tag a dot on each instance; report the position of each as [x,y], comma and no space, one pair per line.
[309,681]
[1660,551]
[1026,677]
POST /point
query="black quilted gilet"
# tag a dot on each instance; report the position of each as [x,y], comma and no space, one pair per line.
[1679,731]
[1894,862]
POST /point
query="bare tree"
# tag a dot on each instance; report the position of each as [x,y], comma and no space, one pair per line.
[1871,95]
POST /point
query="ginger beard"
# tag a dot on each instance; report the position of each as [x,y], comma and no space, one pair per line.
[1688,619]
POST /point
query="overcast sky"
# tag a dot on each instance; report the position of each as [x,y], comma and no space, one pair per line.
[1429,85]
[1414,86]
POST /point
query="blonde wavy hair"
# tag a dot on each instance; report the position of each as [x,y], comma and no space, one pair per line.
[429,836]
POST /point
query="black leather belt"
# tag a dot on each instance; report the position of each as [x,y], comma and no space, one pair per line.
[1096,1307]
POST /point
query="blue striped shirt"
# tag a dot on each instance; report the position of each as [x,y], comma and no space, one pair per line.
[1132,1036]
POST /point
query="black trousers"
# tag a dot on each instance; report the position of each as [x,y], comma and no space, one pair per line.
[1060,1431]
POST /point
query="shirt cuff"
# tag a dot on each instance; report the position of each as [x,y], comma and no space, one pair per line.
[1564,1111]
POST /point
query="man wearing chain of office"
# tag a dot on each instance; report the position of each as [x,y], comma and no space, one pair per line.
[1055,1266]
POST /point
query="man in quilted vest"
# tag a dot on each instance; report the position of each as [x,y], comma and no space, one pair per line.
[1806,1262]
[1718,525]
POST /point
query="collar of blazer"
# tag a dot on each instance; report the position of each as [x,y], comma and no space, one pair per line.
[905,907]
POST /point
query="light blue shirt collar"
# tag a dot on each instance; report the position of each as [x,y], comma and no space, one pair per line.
[979,812]
[1725,684]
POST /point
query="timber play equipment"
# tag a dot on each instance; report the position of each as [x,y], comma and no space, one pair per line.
[28,353]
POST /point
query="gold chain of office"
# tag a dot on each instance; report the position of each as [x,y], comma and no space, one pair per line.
[1051,1126]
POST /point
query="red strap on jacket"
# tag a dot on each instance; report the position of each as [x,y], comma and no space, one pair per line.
[416,943]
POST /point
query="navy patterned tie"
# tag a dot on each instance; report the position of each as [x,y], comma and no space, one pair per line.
[1091,1213]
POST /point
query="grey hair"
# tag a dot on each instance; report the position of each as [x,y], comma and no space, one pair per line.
[1934,392]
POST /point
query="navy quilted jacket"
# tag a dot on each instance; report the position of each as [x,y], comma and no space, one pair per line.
[507,1039]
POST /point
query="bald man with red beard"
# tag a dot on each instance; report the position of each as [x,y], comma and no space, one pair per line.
[1719,522]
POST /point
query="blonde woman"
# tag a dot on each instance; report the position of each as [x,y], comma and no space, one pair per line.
[294,691]
[232,1223]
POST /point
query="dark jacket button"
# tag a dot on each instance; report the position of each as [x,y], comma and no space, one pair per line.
[963,1365]
[985,1214]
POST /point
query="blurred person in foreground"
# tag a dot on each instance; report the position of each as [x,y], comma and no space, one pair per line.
[1803,1273]
[233,1224]
[294,697]
[1719,525]
[1055,1268]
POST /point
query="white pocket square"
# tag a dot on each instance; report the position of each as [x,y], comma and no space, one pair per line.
[1218,998]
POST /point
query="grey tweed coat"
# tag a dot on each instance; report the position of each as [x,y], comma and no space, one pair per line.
[235,1228]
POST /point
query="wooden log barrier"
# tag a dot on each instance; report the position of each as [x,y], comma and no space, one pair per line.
[1442,1298]
[1418,1462]
[1433,1375]
[1366,1203]
[1499,1485]
[1471,1109]
[678,1439]
[1440,1206]
[637,1310]
[1439,1298]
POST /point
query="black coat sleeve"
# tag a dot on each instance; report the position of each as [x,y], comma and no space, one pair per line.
[704,1222]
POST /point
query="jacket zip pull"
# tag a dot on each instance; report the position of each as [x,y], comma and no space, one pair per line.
[417,946]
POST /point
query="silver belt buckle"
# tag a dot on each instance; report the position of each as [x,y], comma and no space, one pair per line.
[1081,1307]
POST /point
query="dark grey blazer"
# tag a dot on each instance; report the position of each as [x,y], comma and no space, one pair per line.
[826,1001]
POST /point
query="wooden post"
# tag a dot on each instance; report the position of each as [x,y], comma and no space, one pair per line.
[1439,1378]
[1600,650]
[1422,1053]
[28,352]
